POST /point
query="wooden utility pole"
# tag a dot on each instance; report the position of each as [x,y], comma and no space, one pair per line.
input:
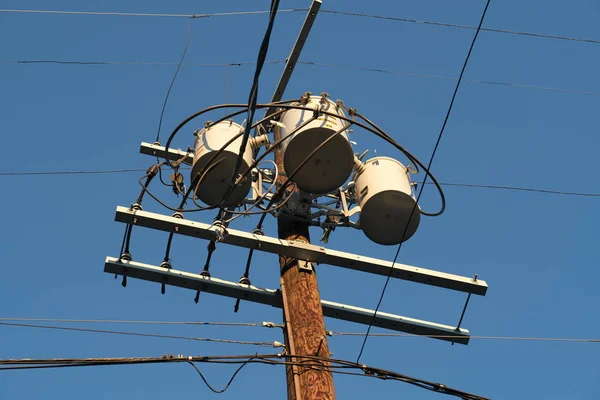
[305,333]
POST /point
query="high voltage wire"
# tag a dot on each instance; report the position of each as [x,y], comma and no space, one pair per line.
[429,164]
[145,322]
[434,23]
[312,63]
[152,335]
[305,362]
[156,15]
[449,184]
[335,12]
[266,324]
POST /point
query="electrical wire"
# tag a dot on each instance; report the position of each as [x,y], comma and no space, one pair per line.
[158,15]
[434,23]
[144,322]
[237,371]
[313,63]
[439,138]
[253,96]
[450,184]
[96,172]
[164,106]
[139,334]
[306,363]
[292,10]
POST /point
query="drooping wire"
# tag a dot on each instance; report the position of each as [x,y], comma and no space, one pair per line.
[305,362]
[437,143]
[237,371]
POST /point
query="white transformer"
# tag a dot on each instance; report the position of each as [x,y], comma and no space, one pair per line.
[216,178]
[386,199]
[330,167]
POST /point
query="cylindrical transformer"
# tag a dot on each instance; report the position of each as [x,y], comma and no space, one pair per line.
[329,167]
[216,177]
[386,200]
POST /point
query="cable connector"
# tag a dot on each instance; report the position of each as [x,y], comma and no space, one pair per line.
[220,231]
[278,344]
[269,324]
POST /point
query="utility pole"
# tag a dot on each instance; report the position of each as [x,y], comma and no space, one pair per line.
[305,333]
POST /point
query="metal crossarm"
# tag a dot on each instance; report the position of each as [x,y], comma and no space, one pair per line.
[302,251]
[272,297]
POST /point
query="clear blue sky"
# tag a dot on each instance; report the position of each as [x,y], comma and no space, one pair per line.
[538,252]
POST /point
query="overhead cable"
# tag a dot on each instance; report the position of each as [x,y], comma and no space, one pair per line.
[433,153]
[156,15]
[464,185]
[306,362]
[263,324]
[448,25]
[164,106]
[313,63]
[293,10]
[153,335]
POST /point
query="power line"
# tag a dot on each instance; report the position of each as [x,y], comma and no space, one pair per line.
[450,184]
[512,338]
[96,172]
[292,10]
[154,63]
[263,324]
[434,76]
[306,362]
[448,25]
[312,63]
[185,49]
[520,189]
[156,15]
[153,335]
[433,153]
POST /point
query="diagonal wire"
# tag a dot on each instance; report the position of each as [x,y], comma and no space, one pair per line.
[185,49]
[437,143]
[448,25]
[143,322]
[153,335]
[450,184]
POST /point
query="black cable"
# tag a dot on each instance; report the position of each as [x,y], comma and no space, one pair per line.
[164,106]
[228,383]
[150,174]
[253,96]
[313,363]
[139,334]
[428,167]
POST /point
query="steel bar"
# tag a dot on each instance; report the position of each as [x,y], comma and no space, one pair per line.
[272,297]
[302,251]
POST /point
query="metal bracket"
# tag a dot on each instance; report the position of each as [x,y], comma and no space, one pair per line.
[303,251]
[272,297]
[305,266]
